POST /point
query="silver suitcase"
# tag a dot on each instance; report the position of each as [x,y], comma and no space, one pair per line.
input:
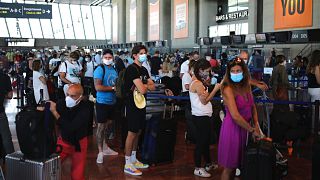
[18,168]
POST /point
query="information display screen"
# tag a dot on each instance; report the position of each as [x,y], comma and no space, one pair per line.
[29,43]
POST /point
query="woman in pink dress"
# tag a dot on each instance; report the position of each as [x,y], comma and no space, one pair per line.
[240,109]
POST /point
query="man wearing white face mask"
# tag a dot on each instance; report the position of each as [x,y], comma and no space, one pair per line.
[70,71]
[104,80]
[73,117]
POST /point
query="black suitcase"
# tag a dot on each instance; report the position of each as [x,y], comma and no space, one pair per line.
[316,147]
[36,132]
[260,161]
[159,140]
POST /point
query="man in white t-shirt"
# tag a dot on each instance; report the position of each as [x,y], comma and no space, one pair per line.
[185,65]
[54,67]
[187,78]
[70,71]
[88,75]
[97,57]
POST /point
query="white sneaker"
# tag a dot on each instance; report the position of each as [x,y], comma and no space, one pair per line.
[210,166]
[100,158]
[201,172]
[109,152]
[238,172]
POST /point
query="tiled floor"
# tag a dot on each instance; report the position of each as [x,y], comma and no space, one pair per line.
[181,168]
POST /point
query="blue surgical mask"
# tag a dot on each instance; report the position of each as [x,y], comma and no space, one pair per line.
[236,77]
[142,58]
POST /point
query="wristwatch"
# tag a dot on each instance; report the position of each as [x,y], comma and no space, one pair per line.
[251,130]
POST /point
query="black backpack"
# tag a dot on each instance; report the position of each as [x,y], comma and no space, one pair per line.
[36,132]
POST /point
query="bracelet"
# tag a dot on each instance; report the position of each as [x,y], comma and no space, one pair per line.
[252,130]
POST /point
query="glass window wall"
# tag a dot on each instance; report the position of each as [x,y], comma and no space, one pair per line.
[56,22]
[25,28]
[66,21]
[4,30]
[77,21]
[237,5]
[13,26]
[98,22]
[107,20]
[46,28]
[87,20]
[35,28]
[64,25]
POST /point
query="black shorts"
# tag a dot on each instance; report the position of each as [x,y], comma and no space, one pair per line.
[136,118]
[104,112]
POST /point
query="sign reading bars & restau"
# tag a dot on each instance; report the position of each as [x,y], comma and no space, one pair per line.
[232,16]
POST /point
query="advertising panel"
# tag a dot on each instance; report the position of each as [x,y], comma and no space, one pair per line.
[292,14]
[133,20]
[180,18]
[154,20]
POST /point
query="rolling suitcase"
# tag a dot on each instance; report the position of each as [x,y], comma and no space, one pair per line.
[19,168]
[159,140]
[260,161]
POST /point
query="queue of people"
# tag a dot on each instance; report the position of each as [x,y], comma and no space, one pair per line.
[77,75]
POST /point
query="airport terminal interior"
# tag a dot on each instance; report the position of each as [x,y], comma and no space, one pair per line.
[159,89]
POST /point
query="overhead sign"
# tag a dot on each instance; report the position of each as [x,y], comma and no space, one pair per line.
[16,10]
[233,16]
[299,36]
[292,14]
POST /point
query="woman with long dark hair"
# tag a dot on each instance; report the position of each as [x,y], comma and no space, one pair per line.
[240,109]
[201,110]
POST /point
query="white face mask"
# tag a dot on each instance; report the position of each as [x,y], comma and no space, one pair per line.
[71,102]
[208,58]
[107,62]
[87,59]
[245,61]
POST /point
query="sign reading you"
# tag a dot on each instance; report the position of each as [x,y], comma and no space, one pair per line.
[16,10]
[233,16]
[292,14]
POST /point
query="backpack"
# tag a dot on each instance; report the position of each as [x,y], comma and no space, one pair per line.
[36,132]
[120,91]
[120,82]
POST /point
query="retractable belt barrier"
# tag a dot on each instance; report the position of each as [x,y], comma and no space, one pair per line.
[257,100]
